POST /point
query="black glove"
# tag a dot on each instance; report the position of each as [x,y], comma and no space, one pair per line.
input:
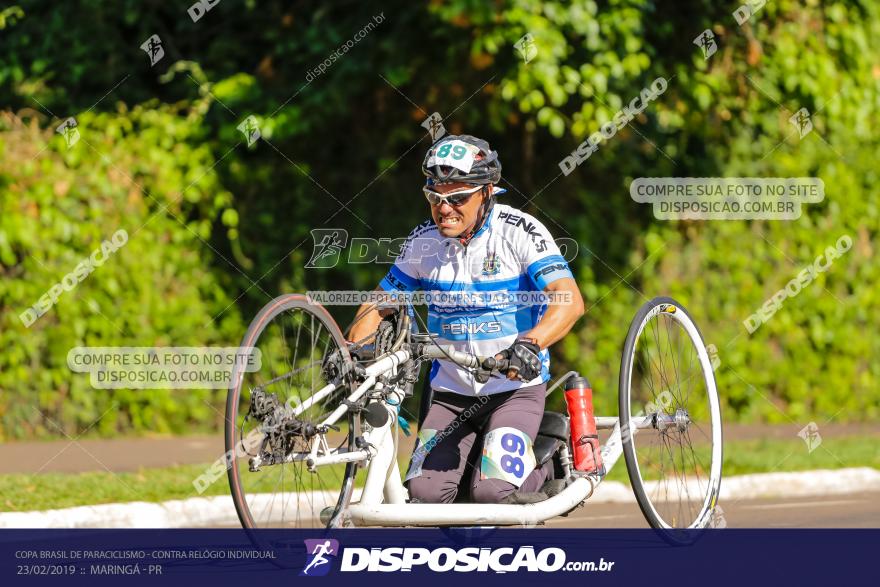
[524,360]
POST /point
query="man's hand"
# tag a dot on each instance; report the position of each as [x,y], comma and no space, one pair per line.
[525,364]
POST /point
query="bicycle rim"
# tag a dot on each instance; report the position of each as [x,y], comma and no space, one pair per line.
[290,337]
[667,377]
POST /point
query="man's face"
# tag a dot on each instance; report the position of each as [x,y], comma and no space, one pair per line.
[453,221]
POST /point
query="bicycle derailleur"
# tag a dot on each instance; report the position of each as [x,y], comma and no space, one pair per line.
[281,430]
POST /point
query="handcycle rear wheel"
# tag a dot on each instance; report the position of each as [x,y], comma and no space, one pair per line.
[292,337]
[670,417]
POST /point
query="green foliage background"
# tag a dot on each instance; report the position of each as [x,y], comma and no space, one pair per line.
[217,228]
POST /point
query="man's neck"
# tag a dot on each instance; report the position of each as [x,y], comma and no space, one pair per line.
[479,223]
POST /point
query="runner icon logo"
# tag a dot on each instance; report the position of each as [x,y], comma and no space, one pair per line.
[320,552]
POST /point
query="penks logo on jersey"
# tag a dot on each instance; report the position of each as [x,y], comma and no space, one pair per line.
[472,327]
[550,269]
[321,553]
[528,227]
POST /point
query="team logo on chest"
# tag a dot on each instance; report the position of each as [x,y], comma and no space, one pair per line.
[491,266]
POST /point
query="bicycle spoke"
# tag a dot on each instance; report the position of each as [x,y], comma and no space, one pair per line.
[677,470]
[294,344]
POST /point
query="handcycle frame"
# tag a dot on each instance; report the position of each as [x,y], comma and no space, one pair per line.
[366,384]
[383,500]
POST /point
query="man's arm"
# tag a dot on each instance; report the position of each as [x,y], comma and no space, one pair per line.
[366,322]
[402,277]
[565,308]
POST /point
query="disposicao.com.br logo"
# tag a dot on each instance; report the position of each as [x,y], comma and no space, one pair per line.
[321,551]
[443,559]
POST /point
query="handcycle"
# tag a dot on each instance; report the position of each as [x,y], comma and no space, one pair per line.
[318,409]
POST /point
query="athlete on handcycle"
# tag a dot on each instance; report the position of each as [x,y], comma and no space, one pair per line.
[476,440]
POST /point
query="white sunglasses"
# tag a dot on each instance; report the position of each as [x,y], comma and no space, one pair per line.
[453,198]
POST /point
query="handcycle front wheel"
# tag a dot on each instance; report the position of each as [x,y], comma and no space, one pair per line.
[290,338]
[670,417]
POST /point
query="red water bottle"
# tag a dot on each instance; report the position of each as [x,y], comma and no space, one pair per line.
[584,438]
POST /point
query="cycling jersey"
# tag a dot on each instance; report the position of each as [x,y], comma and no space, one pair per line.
[471,288]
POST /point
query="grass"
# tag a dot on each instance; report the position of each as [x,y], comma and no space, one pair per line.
[21,492]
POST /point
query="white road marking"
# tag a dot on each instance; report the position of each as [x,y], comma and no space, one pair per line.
[588,517]
[774,506]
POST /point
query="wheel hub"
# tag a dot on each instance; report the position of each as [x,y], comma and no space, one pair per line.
[679,420]
[682,419]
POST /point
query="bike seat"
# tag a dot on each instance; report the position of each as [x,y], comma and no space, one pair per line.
[554,425]
[544,448]
[553,431]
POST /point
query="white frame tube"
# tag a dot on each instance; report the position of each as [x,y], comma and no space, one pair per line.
[369,513]
[383,498]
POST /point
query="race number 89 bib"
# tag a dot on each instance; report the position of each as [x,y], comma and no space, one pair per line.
[456,154]
[507,455]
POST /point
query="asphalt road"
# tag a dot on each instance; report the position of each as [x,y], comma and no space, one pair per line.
[854,510]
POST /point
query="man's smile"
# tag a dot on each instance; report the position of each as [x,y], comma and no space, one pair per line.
[449,221]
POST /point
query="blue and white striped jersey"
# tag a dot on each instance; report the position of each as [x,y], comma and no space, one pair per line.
[512,252]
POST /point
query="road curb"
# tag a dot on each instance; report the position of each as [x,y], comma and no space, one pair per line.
[179,513]
[220,511]
[820,482]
